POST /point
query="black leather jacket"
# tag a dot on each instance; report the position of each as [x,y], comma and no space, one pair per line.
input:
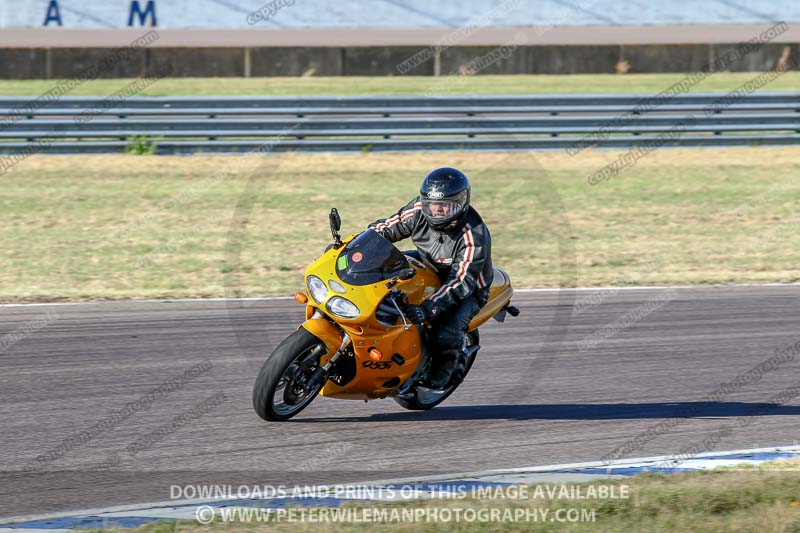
[462,256]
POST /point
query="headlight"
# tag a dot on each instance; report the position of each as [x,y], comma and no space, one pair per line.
[317,289]
[336,286]
[343,308]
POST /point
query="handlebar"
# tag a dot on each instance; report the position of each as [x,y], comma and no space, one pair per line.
[399,299]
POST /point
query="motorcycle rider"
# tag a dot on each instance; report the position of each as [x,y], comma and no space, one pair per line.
[452,239]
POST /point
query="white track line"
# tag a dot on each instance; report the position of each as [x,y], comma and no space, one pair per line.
[641,461]
[658,287]
[524,290]
[164,300]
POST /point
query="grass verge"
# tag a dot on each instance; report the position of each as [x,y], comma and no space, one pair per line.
[114,227]
[760,499]
[375,85]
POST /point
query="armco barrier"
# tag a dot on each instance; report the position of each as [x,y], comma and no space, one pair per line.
[235,124]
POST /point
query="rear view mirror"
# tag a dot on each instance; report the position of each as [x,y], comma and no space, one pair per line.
[336,225]
[336,220]
[407,273]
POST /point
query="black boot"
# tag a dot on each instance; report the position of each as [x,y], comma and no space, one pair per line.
[442,369]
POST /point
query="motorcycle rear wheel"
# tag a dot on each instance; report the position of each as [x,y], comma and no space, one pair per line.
[281,390]
[424,398]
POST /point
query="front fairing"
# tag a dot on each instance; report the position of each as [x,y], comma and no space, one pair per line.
[363,281]
[362,268]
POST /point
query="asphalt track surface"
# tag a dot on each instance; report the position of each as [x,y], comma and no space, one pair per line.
[535,396]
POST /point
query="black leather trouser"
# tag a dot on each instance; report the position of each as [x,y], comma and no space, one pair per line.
[447,330]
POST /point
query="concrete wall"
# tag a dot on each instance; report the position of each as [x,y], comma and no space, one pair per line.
[295,61]
[22,63]
[49,63]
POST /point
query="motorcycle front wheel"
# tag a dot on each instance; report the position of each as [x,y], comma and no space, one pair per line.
[282,388]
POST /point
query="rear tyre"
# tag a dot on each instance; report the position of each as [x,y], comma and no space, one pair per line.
[424,398]
[281,389]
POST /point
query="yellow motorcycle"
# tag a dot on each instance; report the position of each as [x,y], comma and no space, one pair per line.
[356,341]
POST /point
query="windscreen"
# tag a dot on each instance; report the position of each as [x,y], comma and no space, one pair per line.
[369,258]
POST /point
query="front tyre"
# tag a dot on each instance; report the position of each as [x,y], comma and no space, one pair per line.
[424,398]
[282,388]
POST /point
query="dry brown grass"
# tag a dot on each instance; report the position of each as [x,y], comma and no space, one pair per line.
[79,227]
[366,85]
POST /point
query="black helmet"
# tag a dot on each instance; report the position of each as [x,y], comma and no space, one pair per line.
[445,197]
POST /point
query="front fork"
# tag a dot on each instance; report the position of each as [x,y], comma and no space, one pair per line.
[320,375]
[335,341]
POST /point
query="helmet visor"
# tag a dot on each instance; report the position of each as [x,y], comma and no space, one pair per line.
[445,209]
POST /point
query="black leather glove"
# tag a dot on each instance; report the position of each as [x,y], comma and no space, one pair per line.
[482,296]
[416,314]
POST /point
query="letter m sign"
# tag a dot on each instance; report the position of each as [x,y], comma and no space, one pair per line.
[149,11]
